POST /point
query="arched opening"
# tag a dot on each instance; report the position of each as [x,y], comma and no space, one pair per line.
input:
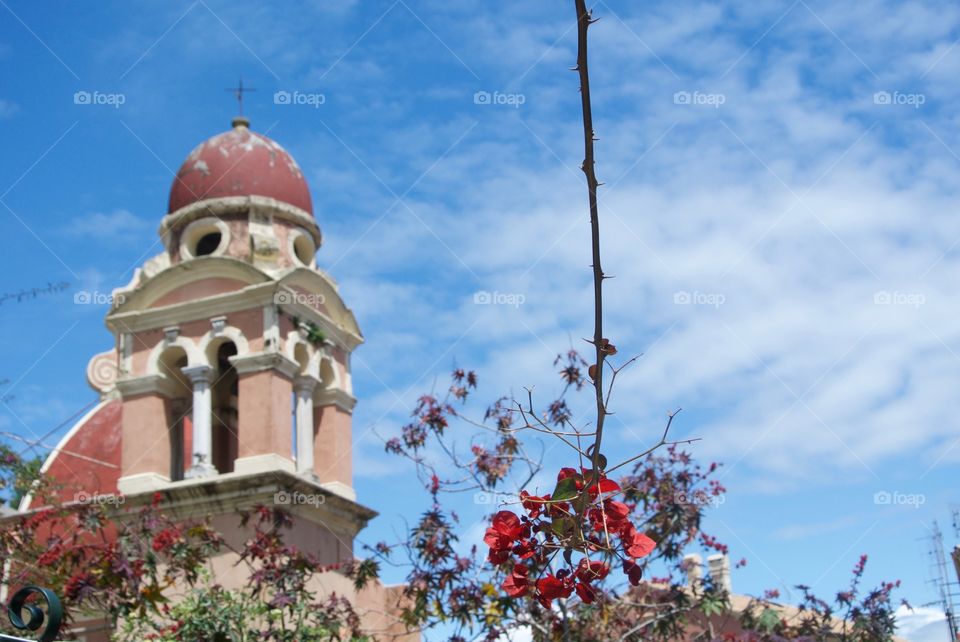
[178,409]
[224,402]
[302,357]
[328,376]
[207,244]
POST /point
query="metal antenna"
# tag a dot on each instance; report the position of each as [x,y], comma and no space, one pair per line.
[941,579]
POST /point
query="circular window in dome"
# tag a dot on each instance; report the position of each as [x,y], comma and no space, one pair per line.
[208,244]
[204,237]
[303,249]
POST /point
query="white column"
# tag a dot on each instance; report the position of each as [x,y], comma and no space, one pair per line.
[304,387]
[201,464]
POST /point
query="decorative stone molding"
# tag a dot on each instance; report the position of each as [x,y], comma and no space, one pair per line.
[141,483]
[171,333]
[266,249]
[217,324]
[238,491]
[341,489]
[337,322]
[200,373]
[262,205]
[194,355]
[260,361]
[335,397]
[102,372]
[227,332]
[148,384]
[268,463]
[156,265]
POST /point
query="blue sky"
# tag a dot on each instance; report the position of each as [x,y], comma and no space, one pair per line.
[790,169]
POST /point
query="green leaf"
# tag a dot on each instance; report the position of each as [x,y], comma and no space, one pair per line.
[768,620]
[566,489]
[562,526]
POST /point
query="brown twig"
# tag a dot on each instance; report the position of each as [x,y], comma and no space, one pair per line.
[584,20]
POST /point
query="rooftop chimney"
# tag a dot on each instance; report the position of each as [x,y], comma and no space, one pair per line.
[719,569]
[693,564]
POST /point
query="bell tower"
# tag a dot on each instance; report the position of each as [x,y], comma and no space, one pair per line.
[228,386]
[232,348]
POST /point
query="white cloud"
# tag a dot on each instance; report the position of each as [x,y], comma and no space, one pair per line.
[922,624]
[8,108]
[791,201]
[118,226]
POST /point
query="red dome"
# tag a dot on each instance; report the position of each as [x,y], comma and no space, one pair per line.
[239,163]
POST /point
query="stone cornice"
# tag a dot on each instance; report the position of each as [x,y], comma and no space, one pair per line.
[251,296]
[148,384]
[260,361]
[239,205]
[336,397]
[233,492]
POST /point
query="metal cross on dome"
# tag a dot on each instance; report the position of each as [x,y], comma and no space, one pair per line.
[50,620]
[238,91]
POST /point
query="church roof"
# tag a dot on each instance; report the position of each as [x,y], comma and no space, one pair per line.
[86,462]
[239,162]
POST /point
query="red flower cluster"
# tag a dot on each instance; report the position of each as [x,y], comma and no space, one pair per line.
[166,539]
[582,517]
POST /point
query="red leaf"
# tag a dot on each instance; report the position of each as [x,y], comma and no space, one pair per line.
[586,592]
[516,584]
[640,545]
